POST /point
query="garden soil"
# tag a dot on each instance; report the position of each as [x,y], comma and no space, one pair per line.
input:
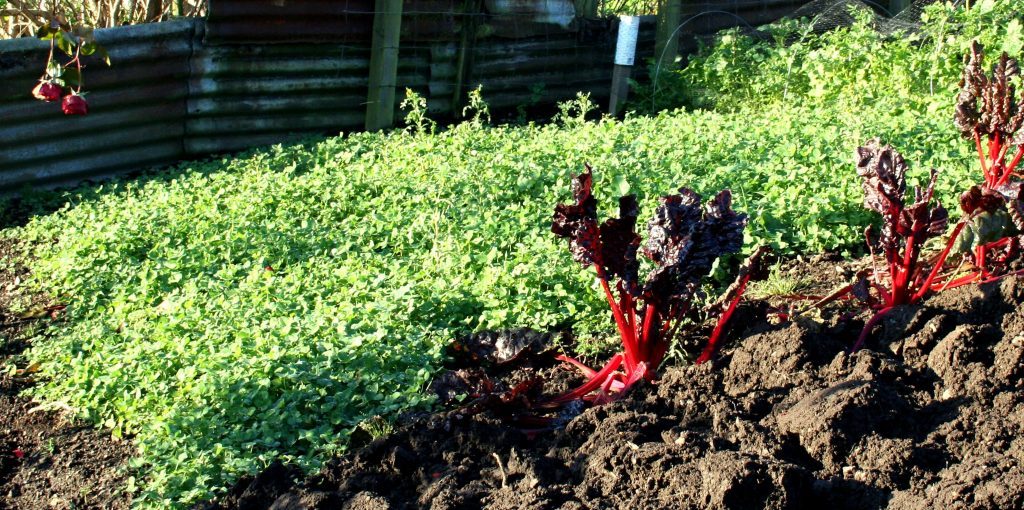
[929,415]
[47,460]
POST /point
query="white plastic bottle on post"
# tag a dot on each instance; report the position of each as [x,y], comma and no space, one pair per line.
[625,56]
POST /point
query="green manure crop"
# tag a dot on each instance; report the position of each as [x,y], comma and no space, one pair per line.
[230,312]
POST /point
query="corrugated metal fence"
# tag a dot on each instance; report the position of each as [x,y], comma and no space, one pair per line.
[138,104]
[183,89]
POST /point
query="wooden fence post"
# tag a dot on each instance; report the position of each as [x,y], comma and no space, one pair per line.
[666,46]
[464,60]
[625,54]
[380,98]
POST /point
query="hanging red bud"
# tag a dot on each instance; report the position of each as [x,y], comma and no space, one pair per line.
[46,91]
[74,104]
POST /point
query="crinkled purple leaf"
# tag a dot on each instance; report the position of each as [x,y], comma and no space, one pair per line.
[938,222]
[935,219]
[1017,214]
[724,225]
[980,198]
[862,290]
[1011,191]
[685,240]
[666,231]
[577,222]
[883,171]
[998,112]
[884,177]
[619,244]
[972,81]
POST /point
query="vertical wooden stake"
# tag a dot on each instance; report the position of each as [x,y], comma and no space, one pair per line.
[625,54]
[666,46]
[380,98]
[464,60]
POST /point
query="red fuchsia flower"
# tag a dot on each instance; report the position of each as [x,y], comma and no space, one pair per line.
[18,453]
[74,104]
[46,91]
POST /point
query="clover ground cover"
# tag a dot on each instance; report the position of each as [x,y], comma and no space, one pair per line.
[234,311]
[230,312]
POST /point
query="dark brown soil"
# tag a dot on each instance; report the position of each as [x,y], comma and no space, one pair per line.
[929,415]
[47,461]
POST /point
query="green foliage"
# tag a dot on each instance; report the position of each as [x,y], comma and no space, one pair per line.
[573,113]
[377,427]
[416,119]
[234,311]
[477,111]
[536,94]
[626,7]
[777,285]
[849,67]
[382,247]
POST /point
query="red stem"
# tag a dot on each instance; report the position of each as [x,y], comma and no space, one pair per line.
[643,371]
[980,252]
[635,322]
[997,163]
[993,149]
[629,313]
[958,282]
[901,285]
[926,285]
[981,157]
[591,385]
[1013,164]
[869,326]
[649,319]
[838,294]
[628,343]
[716,335]
[886,297]
[587,371]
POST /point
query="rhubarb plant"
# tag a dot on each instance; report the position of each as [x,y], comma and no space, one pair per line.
[904,278]
[988,112]
[684,239]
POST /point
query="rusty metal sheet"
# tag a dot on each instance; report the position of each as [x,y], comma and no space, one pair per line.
[240,95]
[292,21]
[535,71]
[92,167]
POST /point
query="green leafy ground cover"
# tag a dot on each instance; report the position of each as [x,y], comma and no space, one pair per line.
[234,311]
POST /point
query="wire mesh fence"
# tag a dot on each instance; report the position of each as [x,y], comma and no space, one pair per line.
[887,17]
